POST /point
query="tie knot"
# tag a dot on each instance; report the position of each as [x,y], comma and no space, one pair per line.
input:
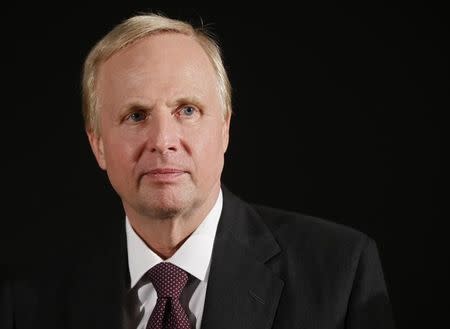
[168,279]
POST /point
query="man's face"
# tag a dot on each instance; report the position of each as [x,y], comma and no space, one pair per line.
[163,134]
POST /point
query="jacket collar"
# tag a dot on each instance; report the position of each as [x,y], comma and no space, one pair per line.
[242,291]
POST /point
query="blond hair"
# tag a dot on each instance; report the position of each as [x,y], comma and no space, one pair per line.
[136,28]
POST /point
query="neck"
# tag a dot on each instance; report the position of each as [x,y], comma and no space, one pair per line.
[166,236]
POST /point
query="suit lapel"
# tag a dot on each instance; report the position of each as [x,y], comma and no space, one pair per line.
[242,292]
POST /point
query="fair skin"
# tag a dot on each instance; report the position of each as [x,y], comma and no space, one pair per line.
[162,136]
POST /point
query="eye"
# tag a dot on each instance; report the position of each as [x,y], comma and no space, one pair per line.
[137,116]
[187,111]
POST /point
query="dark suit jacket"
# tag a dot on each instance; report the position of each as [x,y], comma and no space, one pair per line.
[269,269]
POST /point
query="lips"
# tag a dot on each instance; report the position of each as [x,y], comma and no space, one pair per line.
[164,175]
[165,171]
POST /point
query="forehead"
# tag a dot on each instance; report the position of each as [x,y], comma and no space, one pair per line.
[164,59]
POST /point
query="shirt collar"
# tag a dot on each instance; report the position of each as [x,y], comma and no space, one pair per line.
[193,256]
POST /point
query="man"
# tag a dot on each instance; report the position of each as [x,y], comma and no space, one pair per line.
[157,108]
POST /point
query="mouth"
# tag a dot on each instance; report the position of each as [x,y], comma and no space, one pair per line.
[164,175]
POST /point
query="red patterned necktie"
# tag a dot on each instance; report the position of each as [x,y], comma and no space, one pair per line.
[169,281]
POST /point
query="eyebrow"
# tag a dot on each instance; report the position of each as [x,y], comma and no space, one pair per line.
[138,105]
[186,100]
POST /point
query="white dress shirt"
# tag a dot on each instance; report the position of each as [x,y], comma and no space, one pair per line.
[193,256]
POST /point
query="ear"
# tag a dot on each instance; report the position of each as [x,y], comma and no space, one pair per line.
[226,131]
[97,147]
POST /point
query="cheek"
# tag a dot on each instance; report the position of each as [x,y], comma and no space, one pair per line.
[208,150]
[120,152]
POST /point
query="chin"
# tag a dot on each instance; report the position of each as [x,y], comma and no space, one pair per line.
[164,213]
[165,203]
[166,208]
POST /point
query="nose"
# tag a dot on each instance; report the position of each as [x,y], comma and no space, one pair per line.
[163,134]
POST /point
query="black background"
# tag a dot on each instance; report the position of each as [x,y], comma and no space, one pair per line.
[338,114]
